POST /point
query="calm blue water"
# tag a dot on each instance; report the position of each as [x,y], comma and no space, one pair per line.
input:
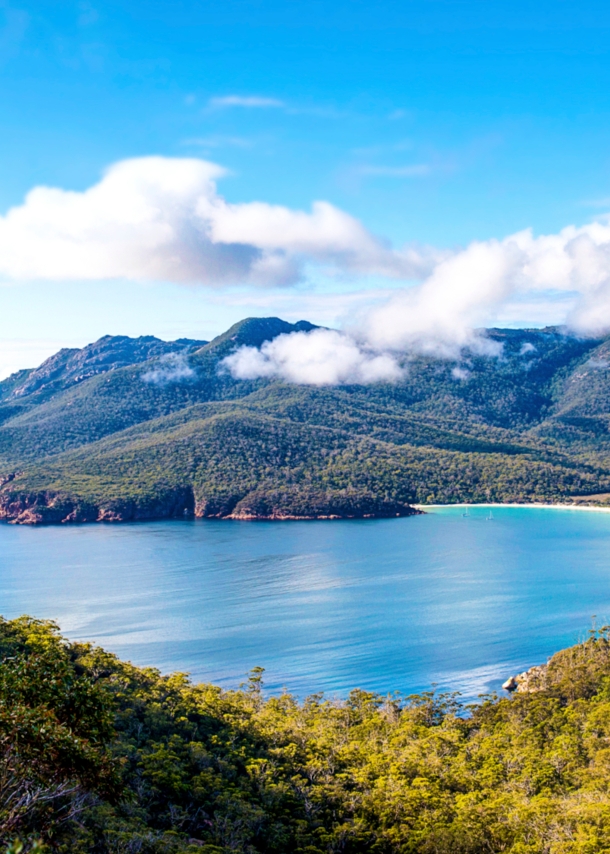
[385,605]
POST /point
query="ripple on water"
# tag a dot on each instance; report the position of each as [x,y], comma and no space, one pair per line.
[381,604]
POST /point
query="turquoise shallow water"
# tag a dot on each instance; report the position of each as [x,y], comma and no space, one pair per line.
[385,605]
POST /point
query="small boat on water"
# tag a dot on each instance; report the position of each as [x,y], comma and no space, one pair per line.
[490,517]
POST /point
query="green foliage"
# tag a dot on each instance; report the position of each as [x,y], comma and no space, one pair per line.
[54,723]
[204,769]
[108,443]
[19,847]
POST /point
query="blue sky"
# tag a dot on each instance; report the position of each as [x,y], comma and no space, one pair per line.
[430,122]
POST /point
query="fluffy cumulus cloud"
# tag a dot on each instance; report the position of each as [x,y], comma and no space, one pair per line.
[465,290]
[162,219]
[320,357]
[442,314]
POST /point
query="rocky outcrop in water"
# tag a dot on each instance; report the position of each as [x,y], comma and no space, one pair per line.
[528,682]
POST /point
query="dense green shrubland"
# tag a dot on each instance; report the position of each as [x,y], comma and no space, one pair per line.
[102,757]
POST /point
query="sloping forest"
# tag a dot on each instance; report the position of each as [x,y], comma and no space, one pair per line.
[141,428]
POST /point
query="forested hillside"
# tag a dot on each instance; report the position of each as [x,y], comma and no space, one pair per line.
[101,757]
[140,428]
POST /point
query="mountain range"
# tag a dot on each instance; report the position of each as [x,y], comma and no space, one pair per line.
[139,428]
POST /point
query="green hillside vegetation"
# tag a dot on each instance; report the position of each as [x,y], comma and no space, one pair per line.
[100,757]
[113,432]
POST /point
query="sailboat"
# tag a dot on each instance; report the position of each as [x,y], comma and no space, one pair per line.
[490,517]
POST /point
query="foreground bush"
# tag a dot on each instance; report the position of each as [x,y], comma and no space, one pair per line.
[102,757]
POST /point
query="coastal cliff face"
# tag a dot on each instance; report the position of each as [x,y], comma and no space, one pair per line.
[48,507]
[301,504]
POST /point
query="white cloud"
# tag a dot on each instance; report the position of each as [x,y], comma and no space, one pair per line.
[245,101]
[320,357]
[171,368]
[468,288]
[162,219]
[415,170]
[440,316]
[460,373]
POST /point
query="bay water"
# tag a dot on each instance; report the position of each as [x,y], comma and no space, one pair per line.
[446,599]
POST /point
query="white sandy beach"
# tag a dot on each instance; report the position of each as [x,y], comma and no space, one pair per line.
[595,508]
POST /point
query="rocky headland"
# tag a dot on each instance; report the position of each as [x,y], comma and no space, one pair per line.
[49,508]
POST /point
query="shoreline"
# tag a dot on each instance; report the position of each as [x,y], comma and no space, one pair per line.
[591,507]
[30,518]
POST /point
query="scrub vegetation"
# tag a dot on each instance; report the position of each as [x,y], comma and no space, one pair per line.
[102,757]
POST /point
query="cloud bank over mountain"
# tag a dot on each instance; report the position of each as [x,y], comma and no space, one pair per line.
[163,219]
[320,357]
[442,314]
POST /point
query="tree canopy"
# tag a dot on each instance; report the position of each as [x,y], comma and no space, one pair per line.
[101,757]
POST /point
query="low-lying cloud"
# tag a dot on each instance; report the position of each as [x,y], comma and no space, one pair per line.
[441,315]
[466,290]
[171,368]
[320,357]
